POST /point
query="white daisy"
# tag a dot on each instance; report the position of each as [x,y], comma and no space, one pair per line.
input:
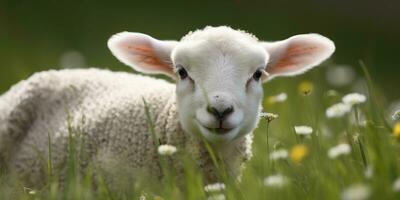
[396,115]
[268,116]
[341,149]
[166,150]
[215,187]
[356,192]
[278,98]
[396,185]
[303,130]
[338,110]
[276,180]
[279,154]
[354,98]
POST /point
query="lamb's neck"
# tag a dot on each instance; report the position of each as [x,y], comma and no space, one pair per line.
[232,153]
[230,156]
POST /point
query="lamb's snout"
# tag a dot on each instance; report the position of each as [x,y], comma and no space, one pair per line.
[220,114]
[220,107]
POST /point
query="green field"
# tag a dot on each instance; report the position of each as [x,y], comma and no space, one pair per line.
[366,170]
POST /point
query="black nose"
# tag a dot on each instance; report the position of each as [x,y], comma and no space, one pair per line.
[220,114]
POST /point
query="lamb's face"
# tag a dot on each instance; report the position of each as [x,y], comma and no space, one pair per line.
[219,73]
[219,85]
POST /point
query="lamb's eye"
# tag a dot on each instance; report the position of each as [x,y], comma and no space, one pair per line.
[257,75]
[182,73]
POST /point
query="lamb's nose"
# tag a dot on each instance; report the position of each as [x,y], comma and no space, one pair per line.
[220,114]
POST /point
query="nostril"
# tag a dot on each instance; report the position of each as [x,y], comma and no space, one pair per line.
[220,115]
[214,112]
[228,111]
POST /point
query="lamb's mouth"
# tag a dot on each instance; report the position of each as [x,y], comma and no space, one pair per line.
[219,131]
[216,131]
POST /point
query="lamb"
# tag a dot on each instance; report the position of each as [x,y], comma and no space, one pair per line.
[219,74]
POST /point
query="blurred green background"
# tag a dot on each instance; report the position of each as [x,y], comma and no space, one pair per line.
[40,35]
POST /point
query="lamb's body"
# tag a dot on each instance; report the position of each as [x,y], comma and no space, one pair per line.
[106,109]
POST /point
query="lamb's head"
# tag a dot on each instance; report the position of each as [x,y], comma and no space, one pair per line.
[219,73]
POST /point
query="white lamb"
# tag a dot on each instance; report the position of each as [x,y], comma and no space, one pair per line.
[219,74]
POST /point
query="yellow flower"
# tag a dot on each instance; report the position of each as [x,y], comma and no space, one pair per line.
[298,153]
[396,131]
[306,87]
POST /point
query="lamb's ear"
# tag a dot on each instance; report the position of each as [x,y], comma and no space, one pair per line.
[143,53]
[297,54]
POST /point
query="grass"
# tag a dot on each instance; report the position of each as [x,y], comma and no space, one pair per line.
[371,167]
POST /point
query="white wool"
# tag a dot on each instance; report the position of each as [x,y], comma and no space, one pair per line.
[219,33]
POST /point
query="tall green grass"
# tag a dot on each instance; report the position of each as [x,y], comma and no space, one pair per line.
[373,161]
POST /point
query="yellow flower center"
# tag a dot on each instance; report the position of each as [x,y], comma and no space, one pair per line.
[306,87]
[298,153]
[396,131]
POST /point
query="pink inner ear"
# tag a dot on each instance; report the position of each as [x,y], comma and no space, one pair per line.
[294,58]
[145,54]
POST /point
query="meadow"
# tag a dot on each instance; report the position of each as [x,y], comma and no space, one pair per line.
[312,143]
[300,151]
